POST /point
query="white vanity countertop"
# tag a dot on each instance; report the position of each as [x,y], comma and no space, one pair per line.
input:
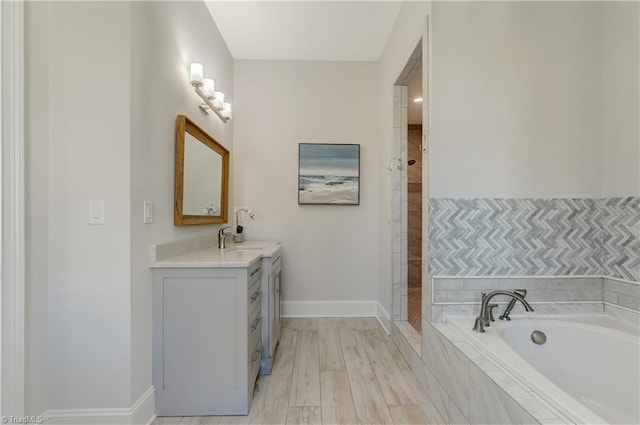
[235,255]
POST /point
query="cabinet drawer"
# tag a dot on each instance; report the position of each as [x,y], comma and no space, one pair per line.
[254,323]
[275,262]
[254,297]
[254,341]
[254,338]
[254,354]
[255,358]
[255,272]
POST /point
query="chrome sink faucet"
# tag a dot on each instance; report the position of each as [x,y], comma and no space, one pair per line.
[222,237]
[484,318]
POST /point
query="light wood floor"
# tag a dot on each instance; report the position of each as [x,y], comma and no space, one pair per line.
[333,371]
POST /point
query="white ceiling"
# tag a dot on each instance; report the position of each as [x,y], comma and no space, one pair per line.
[305,30]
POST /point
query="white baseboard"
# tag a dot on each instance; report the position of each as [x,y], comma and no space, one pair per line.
[142,412]
[364,308]
[384,318]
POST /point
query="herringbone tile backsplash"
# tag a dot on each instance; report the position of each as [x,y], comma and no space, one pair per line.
[535,237]
[620,220]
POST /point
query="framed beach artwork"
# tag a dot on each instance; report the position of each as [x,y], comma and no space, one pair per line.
[329,174]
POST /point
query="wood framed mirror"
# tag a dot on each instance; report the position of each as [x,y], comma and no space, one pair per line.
[201,194]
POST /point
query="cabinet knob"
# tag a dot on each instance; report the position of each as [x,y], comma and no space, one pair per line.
[256,354]
[255,296]
[256,323]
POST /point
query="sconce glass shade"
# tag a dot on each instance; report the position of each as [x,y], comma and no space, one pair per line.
[218,100]
[209,87]
[226,111]
[197,71]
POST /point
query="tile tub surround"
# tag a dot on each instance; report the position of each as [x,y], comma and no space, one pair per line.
[545,289]
[457,296]
[620,225]
[622,294]
[535,237]
[411,335]
[623,314]
[515,237]
[440,313]
[466,386]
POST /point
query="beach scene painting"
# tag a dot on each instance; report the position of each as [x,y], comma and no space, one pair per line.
[329,174]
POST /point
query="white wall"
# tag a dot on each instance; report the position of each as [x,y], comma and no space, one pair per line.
[620,113]
[37,204]
[105,82]
[330,252]
[516,105]
[166,38]
[404,37]
[89,266]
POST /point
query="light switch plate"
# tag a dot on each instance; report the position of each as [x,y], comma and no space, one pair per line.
[96,211]
[147,212]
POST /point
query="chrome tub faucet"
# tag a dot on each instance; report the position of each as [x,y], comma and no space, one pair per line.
[507,311]
[486,316]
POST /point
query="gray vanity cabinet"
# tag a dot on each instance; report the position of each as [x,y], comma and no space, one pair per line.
[206,339]
[271,272]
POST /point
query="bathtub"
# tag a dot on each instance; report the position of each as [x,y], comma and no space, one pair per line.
[588,369]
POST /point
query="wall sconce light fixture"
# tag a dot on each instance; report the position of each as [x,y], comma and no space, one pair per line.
[212,99]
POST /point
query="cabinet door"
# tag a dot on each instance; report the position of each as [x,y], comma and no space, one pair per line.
[203,341]
[276,307]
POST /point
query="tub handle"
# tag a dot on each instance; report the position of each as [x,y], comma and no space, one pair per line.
[512,303]
[490,308]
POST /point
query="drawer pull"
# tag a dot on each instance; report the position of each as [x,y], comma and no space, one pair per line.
[255,323]
[255,296]
[253,273]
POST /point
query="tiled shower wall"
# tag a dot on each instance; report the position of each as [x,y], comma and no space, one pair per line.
[399,198]
[414,205]
[399,235]
[554,238]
